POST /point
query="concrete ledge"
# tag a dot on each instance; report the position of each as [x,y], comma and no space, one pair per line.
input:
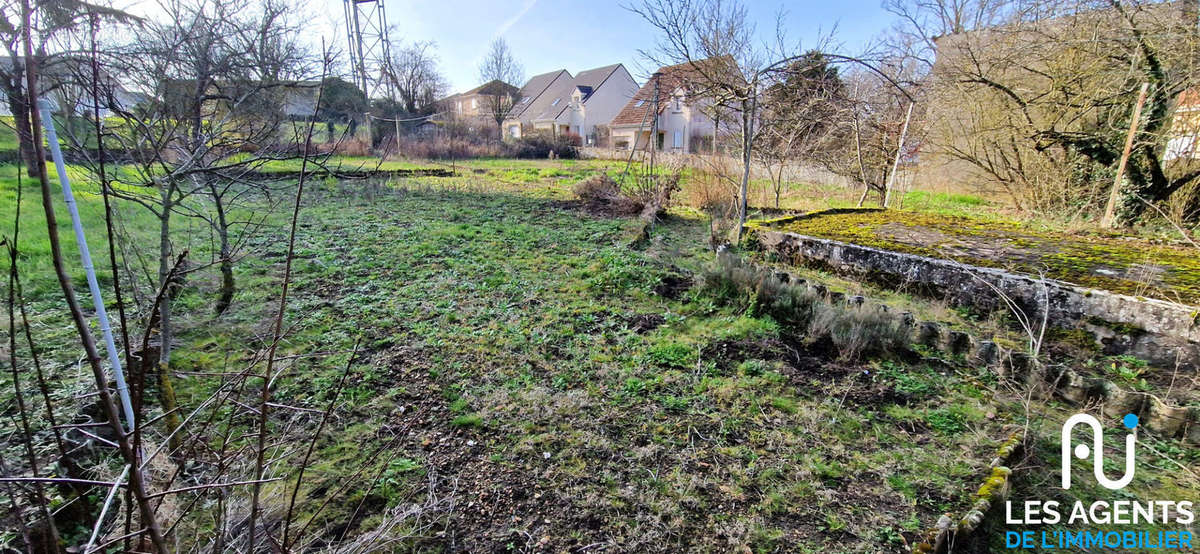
[1162,333]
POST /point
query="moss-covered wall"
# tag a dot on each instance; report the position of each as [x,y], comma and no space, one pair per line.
[1160,332]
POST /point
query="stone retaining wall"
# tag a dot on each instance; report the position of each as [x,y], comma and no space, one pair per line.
[1162,333]
[1160,418]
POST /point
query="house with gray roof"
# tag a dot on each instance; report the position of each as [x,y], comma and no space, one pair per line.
[559,103]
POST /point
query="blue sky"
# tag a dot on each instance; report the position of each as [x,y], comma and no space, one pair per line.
[546,35]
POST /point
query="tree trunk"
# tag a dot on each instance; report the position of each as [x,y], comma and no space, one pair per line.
[166,392]
[747,130]
[18,105]
[228,286]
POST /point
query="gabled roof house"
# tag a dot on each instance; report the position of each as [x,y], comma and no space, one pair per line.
[477,101]
[683,124]
[560,103]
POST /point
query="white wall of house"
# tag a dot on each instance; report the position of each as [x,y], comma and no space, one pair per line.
[679,123]
[604,104]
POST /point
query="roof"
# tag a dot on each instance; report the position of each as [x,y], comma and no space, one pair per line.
[531,93]
[554,98]
[669,78]
[552,102]
[1188,99]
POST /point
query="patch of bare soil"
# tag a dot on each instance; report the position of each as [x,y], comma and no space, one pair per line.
[673,286]
[644,323]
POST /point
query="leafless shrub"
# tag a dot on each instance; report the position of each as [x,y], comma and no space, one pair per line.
[603,194]
[858,332]
[446,148]
[350,147]
[632,194]
[855,331]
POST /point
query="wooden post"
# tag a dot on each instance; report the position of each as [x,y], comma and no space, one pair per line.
[887,190]
[1107,221]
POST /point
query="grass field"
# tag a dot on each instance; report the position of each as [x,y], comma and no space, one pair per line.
[555,389]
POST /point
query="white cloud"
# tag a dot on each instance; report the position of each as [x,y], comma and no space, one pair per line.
[508,23]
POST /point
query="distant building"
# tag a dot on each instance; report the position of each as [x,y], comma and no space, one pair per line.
[1184,140]
[66,83]
[682,121]
[474,108]
[559,104]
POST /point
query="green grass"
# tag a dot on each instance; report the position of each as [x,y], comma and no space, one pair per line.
[944,203]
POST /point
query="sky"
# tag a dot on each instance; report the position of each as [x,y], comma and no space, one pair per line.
[547,35]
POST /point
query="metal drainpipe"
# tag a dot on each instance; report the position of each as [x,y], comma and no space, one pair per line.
[89,269]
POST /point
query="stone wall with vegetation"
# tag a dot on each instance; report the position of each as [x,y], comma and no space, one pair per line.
[1157,331]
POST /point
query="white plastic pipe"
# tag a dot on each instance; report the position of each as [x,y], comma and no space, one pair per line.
[81,241]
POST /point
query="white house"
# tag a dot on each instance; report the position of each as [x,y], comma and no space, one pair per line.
[682,122]
[67,84]
[560,104]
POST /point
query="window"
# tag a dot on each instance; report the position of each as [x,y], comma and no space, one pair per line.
[474,103]
[458,105]
[555,103]
[639,103]
[678,139]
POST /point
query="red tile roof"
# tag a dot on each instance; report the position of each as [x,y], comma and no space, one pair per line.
[669,78]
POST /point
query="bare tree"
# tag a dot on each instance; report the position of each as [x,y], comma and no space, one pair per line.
[871,121]
[805,118]
[499,64]
[225,77]
[415,74]
[53,20]
[727,65]
[1036,96]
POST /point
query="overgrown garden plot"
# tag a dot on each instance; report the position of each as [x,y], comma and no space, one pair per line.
[529,382]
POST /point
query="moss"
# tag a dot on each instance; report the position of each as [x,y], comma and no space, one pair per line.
[1103,261]
[1118,328]
[1078,338]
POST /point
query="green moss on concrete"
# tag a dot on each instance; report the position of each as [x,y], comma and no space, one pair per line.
[1104,261]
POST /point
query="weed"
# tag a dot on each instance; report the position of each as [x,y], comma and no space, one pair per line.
[469,421]
[785,405]
[680,356]
[752,368]
[914,382]
[948,421]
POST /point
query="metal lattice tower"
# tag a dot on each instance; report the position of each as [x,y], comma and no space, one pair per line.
[370,52]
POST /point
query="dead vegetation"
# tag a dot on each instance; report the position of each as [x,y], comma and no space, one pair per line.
[855,332]
[646,196]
